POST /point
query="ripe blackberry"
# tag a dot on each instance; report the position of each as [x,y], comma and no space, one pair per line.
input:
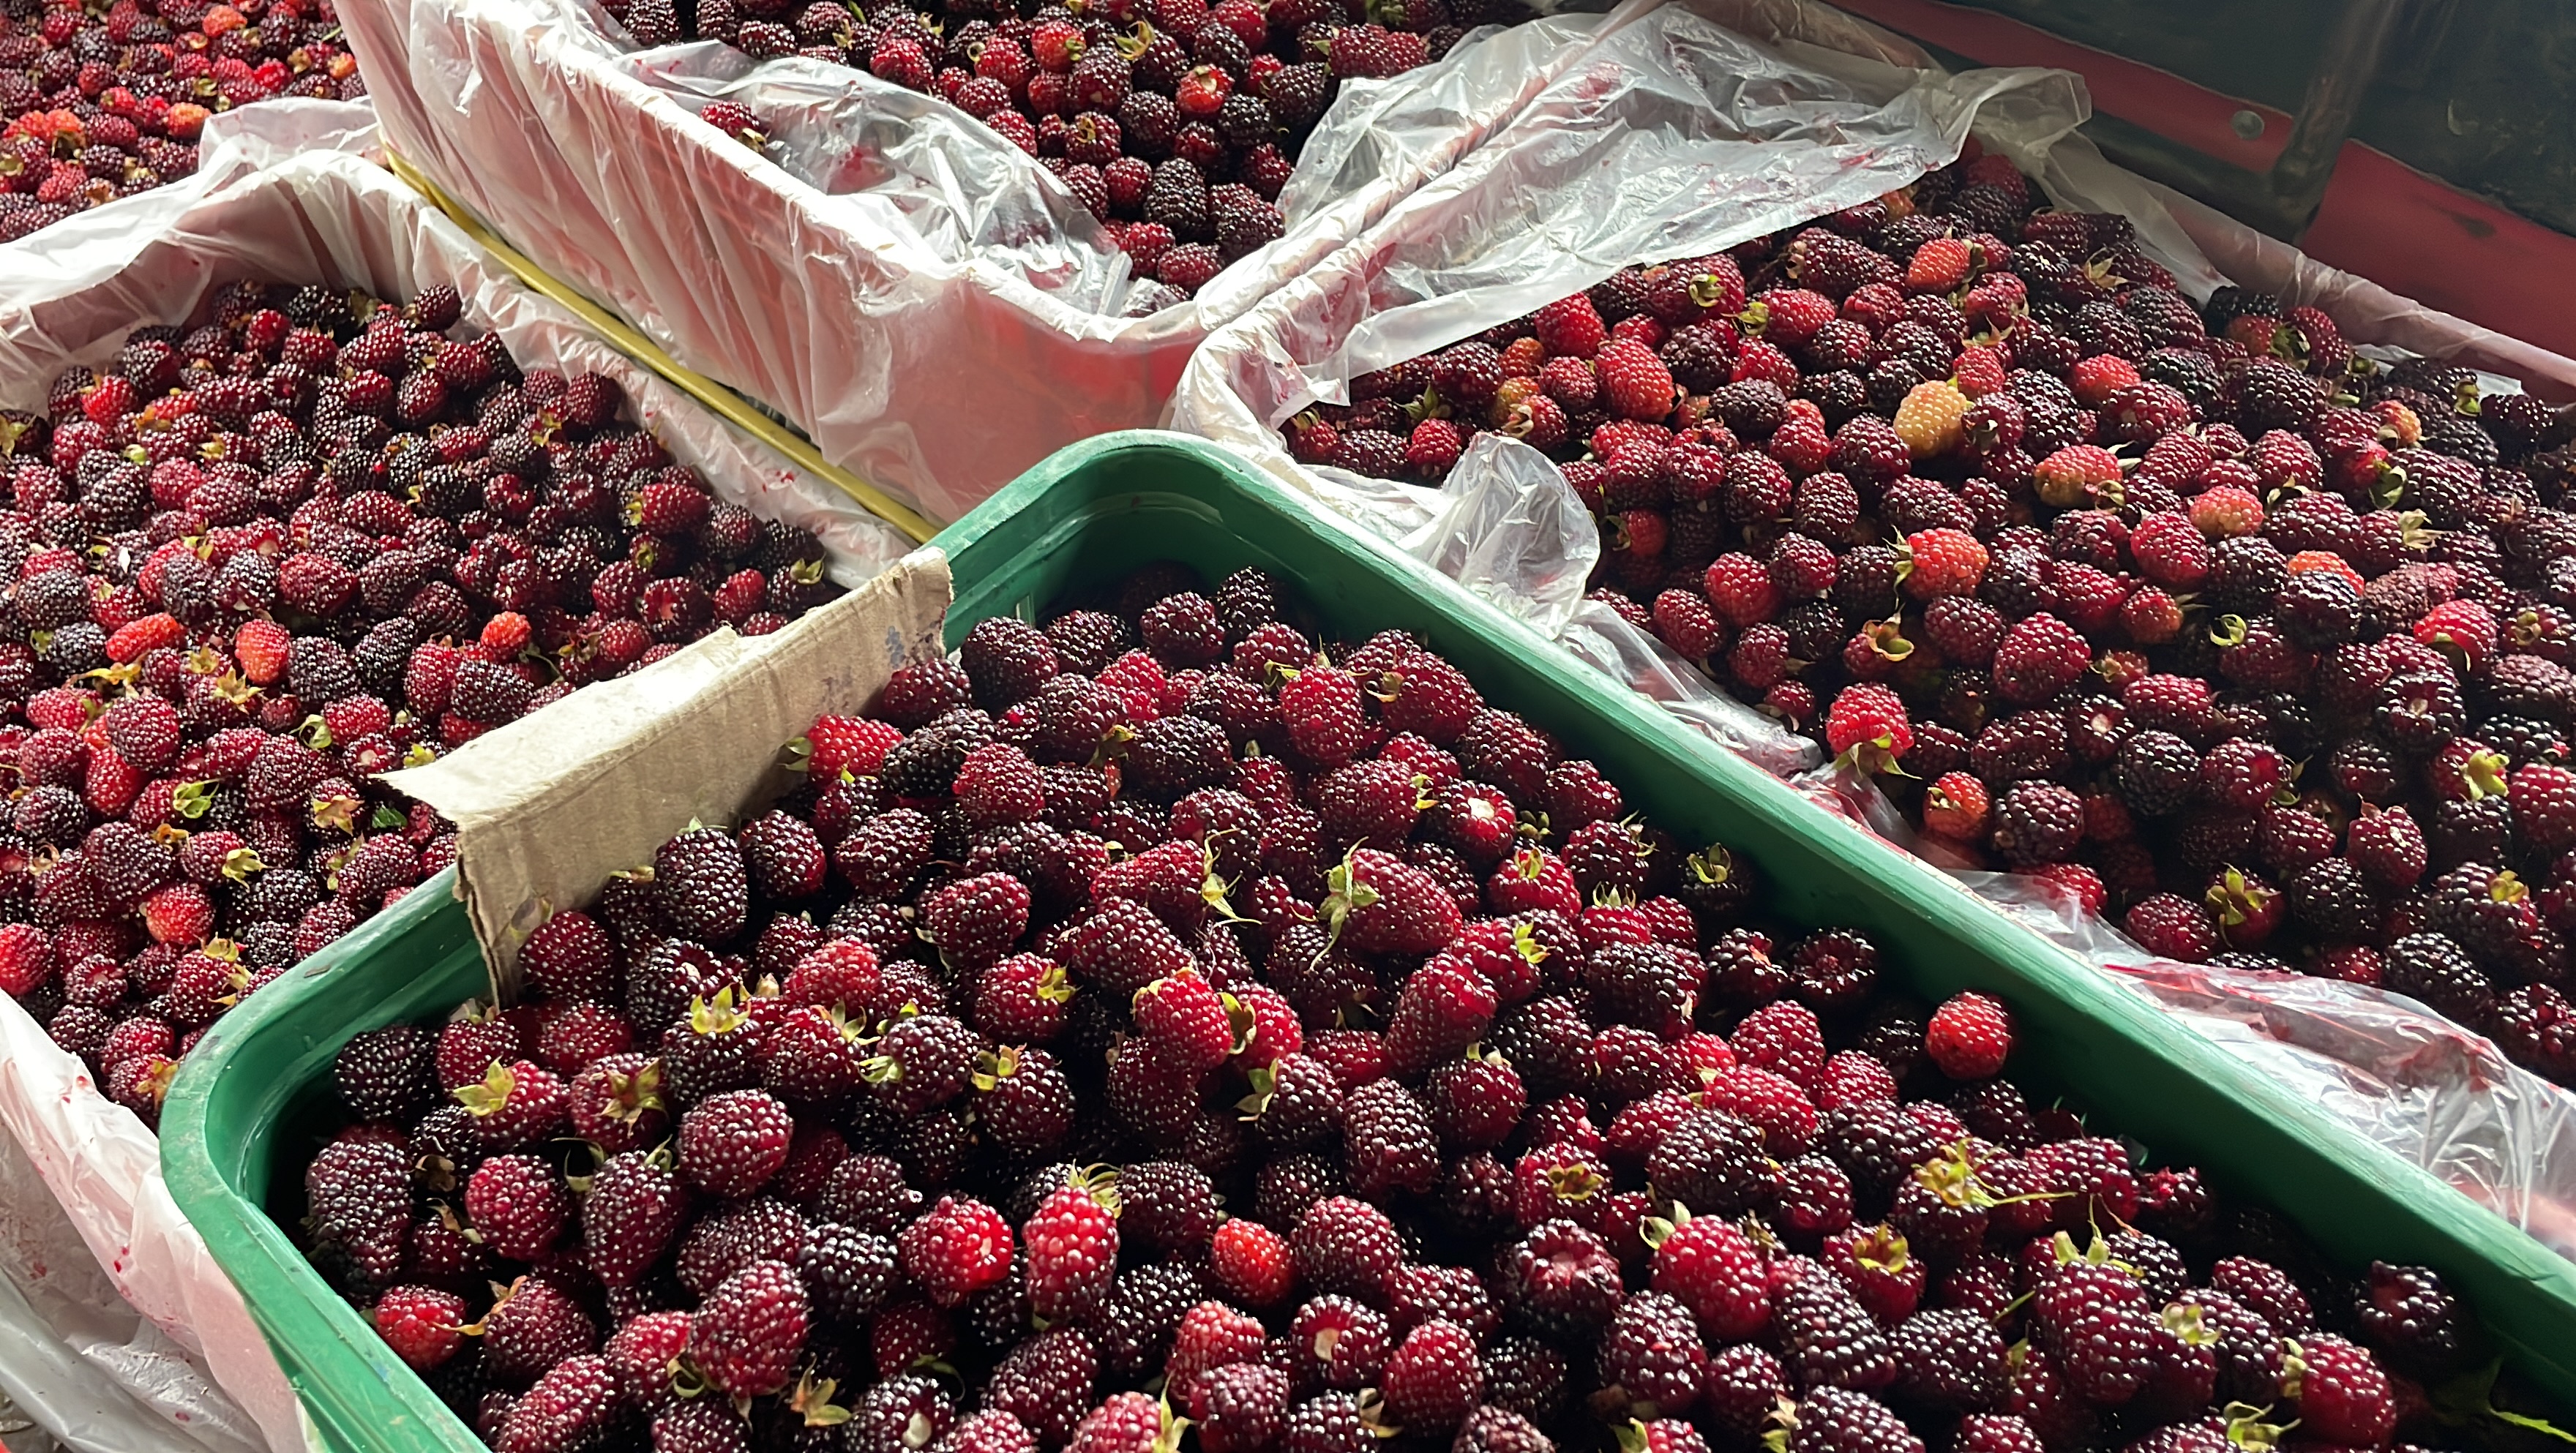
[1712,1162]
[703,884]
[1175,755]
[2026,744]
[1167,1206]
[2405,1313]
[1877,1144]
[847,1273]
[2475,831]
[867,1193]
[2537,1027]
[1046,1383]
[360,1198]
[2271,395]
[387,1074]
[1865,582]
[1653,1355]
[1417,1294]
[759,1229]
[1286,1188]
[1827,1339]
[1491,1429]
[924,765]
[2462,439]
[2365,768]
[2157,772]
[1832,1420]
[1388,1143]
[1249,598]
[901,1412]
[1331,1422]
[1949,1361]
[2319,608]
[1346,1246]
[2038,822]
[1548,1042]
[1524,1378]
[1652,986]
[1561,1282]
[1132,1329]
[1242,1408]
[2097,1323]
[1476,1192]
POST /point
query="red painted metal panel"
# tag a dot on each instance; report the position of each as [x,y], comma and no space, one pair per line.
[2381,219]
[2417,235]
[2162,102]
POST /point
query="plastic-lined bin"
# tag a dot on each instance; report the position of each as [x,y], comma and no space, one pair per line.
[269,208]
[246,1108]
[889,267]
[1638,167]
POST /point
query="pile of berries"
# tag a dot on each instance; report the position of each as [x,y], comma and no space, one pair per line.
[102,102]
[255,562]
[1006,1088]
[1175,121]
[2259,646]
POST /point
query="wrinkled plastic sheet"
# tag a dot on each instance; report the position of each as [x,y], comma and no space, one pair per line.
[1669,136]
[2419,1086]
[1507,526]
[263,206]
[929,305]
[75,1357]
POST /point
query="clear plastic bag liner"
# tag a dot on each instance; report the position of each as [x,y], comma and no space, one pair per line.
[2380,1064]
[1603,639]
[2408,1080]
[1507,526]
[313,214]
[2362,309]
[1666,134]
[334,214]
[910,165]
[90,244]
[2205,248]
[103,1168]
[74,1357]
[927,332]
[1510,530]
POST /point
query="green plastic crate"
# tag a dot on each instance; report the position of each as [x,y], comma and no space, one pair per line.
[250,1100]
[256,1090]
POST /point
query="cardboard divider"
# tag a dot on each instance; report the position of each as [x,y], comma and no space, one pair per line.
[549,806]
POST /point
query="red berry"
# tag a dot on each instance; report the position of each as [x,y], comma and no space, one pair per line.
[1969,1036]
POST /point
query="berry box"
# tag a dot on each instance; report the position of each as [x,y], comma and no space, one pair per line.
[879,265]
[1900,565]
[247,1111]
[106,320]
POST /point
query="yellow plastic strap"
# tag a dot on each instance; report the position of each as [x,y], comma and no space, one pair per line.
[643,350]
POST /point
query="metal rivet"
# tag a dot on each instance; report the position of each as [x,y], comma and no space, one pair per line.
[2247,124]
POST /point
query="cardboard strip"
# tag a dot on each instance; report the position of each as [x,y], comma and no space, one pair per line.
[549,806]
